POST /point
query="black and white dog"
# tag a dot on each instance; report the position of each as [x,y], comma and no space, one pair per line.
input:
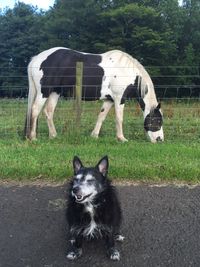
[93,209]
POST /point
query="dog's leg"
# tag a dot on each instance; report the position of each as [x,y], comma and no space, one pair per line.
[75,248]
[113,253]
[119,237]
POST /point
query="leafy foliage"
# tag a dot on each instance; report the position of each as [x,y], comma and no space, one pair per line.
[161,34]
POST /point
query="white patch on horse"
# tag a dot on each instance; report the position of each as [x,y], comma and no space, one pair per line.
[154,135]
[102,115]
[117,77]
[120,74]
[119,70]
[35,98]
[49,111]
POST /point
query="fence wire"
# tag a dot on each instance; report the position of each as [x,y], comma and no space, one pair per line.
[180,106]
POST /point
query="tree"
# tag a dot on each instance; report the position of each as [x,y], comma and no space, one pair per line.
[21,34]
[161,34]
[74,23]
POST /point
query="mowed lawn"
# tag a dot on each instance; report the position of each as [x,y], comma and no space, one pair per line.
[176,159]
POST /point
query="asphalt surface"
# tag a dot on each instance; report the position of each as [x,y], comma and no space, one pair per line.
[161,227]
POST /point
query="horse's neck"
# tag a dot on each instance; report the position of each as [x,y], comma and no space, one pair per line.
[150,101]
[149,98]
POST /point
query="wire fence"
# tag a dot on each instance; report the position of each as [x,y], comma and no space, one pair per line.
[180,106]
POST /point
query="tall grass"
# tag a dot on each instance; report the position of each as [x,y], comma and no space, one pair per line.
[175,159]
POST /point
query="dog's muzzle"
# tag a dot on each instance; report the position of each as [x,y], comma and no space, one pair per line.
[80,198]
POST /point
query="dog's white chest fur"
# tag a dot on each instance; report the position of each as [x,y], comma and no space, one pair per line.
[90,230]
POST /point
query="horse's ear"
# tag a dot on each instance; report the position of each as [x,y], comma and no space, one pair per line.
[102,166]
[77,164]
[158,106]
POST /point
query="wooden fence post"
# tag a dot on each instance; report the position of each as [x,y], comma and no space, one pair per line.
[79,80]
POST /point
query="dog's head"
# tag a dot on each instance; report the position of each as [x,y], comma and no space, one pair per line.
[87,183]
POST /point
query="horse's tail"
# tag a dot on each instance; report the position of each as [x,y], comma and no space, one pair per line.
[31,97]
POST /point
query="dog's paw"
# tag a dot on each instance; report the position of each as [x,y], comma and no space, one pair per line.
[73,255]
[119,238]
[115,256]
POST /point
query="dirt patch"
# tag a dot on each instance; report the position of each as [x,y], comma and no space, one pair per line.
[117,182]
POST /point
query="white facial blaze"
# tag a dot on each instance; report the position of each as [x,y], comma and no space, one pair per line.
[89,177]
[79,176]
[154,136]
[86,188]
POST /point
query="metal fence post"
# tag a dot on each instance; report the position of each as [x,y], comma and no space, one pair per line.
[79,79]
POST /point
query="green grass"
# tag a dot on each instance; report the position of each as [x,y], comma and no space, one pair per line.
[176,159]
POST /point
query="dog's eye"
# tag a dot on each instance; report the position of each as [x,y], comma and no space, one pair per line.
[90,180]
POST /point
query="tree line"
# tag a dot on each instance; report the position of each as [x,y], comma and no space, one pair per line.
[162,34]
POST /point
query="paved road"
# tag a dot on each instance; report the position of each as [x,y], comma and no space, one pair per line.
[161,225]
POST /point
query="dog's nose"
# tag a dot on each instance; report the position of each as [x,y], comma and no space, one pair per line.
[75,190]
[158,139]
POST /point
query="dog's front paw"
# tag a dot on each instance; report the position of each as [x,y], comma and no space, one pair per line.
[73,255]
[115,255]
[119,238]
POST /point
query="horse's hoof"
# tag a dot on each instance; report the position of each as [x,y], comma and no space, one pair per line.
[122,139]
[94,135]
[33,139]
[52,136]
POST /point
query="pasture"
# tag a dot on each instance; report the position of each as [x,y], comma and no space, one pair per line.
[176,159]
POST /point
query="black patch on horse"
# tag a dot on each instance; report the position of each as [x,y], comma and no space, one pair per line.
[133,91]
[109,97]
[59,71]
[153,121]
[146,90]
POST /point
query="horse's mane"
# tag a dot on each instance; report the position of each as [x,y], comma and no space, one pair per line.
[144,82]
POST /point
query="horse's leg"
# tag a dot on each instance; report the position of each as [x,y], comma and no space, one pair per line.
[36,108]
[49,111]
[119,112]
[102,115]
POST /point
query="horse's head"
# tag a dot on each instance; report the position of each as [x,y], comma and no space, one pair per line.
[153,125]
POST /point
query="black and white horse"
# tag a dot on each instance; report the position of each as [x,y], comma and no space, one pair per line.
[112,76]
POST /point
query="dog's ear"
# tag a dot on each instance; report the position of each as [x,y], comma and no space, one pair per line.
[77,164]
[102,166]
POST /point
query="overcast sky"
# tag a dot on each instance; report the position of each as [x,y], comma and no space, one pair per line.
[44,4]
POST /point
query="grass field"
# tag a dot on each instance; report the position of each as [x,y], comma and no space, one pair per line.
[176,159]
